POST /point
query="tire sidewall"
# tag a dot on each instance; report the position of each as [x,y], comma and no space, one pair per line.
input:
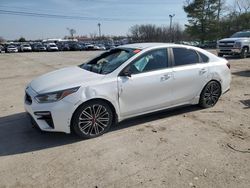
[220,54]
[243,53]
[202,102]
[75,119]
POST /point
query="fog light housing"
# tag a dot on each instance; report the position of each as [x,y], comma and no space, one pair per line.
[46,116]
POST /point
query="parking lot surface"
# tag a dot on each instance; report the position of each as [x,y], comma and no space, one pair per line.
[184,147]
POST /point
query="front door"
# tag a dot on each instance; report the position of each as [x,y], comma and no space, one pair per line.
[150,85]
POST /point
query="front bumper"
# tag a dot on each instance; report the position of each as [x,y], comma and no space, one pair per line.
[60,113]
[12,50]
[53,49]
[27,50]
[229,51]
[41,49]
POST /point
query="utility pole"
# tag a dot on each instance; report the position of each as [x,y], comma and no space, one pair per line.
[171,21]
[99,26]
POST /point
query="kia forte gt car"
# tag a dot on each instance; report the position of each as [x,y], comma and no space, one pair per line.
[125,82]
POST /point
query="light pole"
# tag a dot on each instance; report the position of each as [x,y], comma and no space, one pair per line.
[99,26]
[170,27]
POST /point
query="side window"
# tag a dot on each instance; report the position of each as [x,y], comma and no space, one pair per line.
[184,56]
[204,58]
[153,60]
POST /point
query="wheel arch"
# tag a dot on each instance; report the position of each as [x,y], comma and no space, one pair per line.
[245,46]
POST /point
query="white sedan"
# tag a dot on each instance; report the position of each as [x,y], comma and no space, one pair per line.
[125,82]
[11,48]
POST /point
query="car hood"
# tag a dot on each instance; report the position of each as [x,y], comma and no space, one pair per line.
[63,79]
[233,39]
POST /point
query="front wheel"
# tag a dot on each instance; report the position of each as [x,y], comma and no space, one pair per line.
[220,54]
[92,119]
[243,53]
[210,94]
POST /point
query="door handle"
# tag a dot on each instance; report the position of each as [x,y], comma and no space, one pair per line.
[202,71]
[165,77]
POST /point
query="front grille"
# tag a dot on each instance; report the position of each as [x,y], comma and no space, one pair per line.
[28,98]
[226,42]
[225,50]
[226,46]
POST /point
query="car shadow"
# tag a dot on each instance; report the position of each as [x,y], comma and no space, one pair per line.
[154,116]
[18,136]
[245,73]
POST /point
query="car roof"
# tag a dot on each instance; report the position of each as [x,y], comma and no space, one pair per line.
[143,46]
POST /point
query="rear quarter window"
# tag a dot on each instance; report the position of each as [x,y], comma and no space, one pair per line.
[204,58]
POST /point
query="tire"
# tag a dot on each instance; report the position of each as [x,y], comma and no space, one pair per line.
[210,94]
[86,121]
[220,54]
[244,53]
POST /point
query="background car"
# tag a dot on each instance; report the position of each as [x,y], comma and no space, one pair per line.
[109,47]
[125,82]
[1,48]
[96,47]
[74,46]
[52,47]
[101,47]
[11,49]
[25,48]
[89,47]
[39,48]
[237,44]
[63,46]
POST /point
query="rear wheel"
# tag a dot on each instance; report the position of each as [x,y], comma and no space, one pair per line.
[210,94]
[244,53]
[92,119]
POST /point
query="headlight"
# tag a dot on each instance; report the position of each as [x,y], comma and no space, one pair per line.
[55,96]
[237,44]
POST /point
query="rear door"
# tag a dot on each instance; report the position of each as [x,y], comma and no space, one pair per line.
[190,74]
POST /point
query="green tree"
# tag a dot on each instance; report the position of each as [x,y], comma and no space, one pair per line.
[233,23]
[203,16]
[21,39]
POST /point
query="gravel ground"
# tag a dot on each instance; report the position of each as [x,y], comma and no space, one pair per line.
[186,147]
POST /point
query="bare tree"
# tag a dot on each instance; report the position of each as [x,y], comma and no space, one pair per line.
[2,40]
[243,6]
[93,35]
[153,33]
[71,32]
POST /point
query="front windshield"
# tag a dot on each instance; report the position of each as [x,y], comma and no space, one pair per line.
[241,34]
[108,61]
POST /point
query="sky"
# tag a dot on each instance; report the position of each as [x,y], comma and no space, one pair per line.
[115,16]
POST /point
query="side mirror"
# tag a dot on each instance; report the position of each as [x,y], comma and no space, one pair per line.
[126,72]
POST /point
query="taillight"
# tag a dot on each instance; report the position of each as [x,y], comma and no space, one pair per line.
[228,65]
